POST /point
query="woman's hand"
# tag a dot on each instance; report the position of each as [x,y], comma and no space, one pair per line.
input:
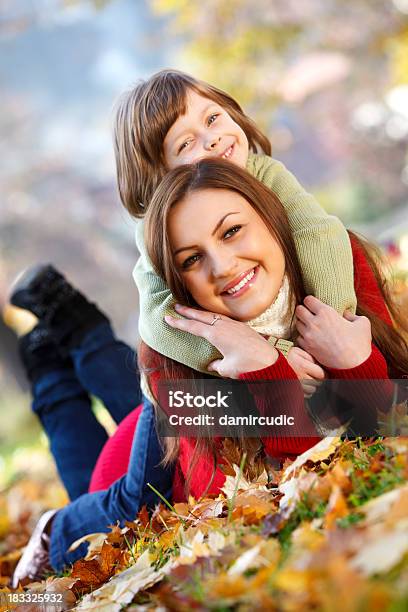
[335,341]
[307,370]
[243,349]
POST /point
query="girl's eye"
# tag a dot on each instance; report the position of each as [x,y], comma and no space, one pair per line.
[187,263]
[212,118]
[184,145]
[233,230]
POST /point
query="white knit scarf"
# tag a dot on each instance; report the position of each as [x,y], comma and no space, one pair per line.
[277,318]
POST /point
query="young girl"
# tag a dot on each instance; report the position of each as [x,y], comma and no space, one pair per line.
[174,119]
[211,226]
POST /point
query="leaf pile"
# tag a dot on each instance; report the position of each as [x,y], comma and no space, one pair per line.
[327,532]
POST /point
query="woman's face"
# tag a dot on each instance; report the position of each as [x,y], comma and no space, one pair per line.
[229,261]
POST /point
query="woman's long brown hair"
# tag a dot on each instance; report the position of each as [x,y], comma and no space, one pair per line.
[221,174]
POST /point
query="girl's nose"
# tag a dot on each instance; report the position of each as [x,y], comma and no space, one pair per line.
[211,142]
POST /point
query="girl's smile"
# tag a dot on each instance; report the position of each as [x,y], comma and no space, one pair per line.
[228,259]
[205,130]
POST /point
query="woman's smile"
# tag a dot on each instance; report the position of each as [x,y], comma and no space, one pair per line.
[241,284]
[226,256]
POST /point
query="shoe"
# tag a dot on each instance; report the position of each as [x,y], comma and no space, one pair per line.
[39,353]
[35,560]
[40,290]
[61,307]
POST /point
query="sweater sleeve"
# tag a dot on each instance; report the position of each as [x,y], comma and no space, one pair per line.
[284,396]
[373,390]
[367,390]
[156,301]
[322,242]
[366,286]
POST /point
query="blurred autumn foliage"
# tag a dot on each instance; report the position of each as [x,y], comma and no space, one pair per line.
[327,79]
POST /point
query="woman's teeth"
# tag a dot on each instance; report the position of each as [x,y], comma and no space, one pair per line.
[241,283]
[227,153]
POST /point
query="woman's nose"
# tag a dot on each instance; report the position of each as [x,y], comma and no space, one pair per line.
[223,266]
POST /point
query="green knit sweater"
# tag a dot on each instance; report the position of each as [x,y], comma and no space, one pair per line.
[322,245]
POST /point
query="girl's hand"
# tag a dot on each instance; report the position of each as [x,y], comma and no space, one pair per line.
[243,349]
[335,341]
[308,371]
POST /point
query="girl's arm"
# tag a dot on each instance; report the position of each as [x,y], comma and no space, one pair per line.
[321,240]
[156,301]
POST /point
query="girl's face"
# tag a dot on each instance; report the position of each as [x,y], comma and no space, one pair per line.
[206,130]
[229,261]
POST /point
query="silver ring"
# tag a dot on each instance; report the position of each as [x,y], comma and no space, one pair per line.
[215,319]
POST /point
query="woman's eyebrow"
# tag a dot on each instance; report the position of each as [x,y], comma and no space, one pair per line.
[187,248]
[221,221]
[195,246]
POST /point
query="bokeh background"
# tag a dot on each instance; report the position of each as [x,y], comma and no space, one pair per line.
[326,79]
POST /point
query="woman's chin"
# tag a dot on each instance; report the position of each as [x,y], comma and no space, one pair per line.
[248,313]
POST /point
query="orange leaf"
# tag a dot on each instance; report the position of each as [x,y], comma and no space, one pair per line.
[94,572]
[337,508]
[143,516]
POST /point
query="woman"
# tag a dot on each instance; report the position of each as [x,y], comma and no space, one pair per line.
[221,241]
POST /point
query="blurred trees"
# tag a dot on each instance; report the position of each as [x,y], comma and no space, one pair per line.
[315,71]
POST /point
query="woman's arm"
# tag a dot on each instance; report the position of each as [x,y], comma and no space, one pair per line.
[366,285]
[276,390]
[343,345]
[249,357]
[242,349]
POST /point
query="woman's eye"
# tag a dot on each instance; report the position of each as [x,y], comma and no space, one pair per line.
[187,263]
[233,230]
[212,118]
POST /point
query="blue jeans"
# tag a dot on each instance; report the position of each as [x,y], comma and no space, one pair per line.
[106,368]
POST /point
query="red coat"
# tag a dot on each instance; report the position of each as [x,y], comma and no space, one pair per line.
[114,458]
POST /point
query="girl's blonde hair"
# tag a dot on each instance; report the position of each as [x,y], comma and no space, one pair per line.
[143,117]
